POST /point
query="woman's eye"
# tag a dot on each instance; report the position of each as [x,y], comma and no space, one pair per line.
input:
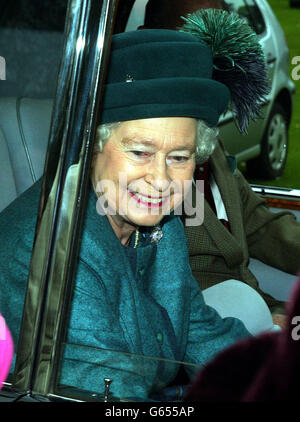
[140,154]
[178,159]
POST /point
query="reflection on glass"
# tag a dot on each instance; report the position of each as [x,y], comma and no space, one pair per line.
[17,223]
[140,300]
[131,377]
[31,40]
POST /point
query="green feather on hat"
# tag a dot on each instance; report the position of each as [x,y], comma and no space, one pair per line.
[238,58]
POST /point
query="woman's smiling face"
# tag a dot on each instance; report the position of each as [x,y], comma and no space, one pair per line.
[143,168]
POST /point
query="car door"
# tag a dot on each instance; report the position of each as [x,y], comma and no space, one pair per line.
[47,291]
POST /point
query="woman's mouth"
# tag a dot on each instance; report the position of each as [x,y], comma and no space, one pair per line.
[149,201]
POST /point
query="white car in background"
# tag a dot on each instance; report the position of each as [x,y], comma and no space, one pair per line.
[265,148]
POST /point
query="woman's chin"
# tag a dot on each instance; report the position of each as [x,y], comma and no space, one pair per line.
[148,216]
[145,220]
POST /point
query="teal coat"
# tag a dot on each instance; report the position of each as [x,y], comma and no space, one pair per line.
[133,308]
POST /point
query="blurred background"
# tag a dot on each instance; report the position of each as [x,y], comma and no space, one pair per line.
[289,19]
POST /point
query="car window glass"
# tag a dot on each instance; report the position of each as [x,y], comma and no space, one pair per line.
[31,41]
[130,377]
[119,326]
[32,48]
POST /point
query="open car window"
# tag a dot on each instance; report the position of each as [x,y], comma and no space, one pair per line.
[58,82]
[42,334]
[52,211]
[31,40]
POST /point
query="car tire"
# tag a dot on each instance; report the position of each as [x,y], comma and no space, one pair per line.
[271,162]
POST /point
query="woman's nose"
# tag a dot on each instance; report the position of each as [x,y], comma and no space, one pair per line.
[157,175]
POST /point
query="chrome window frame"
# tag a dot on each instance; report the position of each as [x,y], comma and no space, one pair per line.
[88,30]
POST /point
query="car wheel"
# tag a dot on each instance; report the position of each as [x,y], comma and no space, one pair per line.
[274,146]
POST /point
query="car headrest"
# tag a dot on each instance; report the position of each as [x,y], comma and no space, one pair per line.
[25,124]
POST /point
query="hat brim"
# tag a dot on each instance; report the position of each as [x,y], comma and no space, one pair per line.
[199,98]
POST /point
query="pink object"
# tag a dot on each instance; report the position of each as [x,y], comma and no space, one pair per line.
[6,350]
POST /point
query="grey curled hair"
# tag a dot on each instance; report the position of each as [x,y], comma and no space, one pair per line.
[206,139]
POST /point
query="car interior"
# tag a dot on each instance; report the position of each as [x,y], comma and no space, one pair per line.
[26,105]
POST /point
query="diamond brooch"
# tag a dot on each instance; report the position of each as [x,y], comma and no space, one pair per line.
[156,234]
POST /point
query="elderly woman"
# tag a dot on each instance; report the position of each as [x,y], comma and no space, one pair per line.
[137,310]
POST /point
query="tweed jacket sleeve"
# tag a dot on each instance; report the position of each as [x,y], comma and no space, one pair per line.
[272,237]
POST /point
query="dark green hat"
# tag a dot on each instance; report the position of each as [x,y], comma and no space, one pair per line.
[162,73]
[217,61]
